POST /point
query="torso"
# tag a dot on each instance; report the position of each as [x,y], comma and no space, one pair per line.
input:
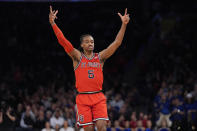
[89,74]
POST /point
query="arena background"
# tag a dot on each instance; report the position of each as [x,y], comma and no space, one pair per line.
[152,73]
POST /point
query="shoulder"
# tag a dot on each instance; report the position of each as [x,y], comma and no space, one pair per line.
[61,118]
[77,56]
[62,129]
[97,55]
[70,129]
[52,118]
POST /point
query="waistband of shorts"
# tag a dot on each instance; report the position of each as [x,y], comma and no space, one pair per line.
[90,92]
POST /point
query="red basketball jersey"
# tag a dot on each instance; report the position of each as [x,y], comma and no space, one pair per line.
[89,74]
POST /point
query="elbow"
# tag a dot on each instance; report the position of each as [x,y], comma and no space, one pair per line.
[14,119]
[119,43]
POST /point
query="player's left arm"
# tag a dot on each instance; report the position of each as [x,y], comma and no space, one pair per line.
[109,51]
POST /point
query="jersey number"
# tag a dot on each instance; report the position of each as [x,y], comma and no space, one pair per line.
[91,74]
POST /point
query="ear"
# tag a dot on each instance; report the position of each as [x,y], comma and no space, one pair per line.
[81,45]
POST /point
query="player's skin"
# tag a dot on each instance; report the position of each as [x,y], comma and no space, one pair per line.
[88,46]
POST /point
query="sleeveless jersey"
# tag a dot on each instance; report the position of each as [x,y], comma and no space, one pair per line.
[89,74]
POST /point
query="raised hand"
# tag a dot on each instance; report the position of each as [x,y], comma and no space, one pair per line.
[52,16]
[124,18]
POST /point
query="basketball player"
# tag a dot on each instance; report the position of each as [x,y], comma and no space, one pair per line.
[90,101]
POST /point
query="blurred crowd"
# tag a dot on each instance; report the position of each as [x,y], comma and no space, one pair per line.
[37,86]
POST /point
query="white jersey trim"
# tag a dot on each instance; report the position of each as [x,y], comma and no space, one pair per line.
[87,57]
[101,119]
[78,63]
[77,113]
[99,57]
[90,123]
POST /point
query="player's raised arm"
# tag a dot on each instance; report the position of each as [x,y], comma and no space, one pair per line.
[70,50]
[106,53]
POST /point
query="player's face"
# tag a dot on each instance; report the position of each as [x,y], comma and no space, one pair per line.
[88,43]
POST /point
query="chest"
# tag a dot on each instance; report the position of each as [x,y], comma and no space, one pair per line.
[93,63]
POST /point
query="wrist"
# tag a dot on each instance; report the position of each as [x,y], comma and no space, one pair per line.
[124,25]
[52,23]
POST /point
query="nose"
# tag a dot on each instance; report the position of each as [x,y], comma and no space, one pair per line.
[91,44]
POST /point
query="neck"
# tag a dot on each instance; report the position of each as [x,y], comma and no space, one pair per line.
[88,53]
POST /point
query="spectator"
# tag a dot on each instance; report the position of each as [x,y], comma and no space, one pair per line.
[27,119]
[164,126]
[127,126]
[46,101]
[140,126]
[66,127]
[149,126]
[69,116]
[117,125]
[48,115]
[7,118]
[141,116]
[57,127]
[164,111]
[122,121]
[191,108]
[40,121]
[178,114]
[117,102]
[133,122]
[57,120]
[34,109]
[47,127]
[19,112]
[144,120]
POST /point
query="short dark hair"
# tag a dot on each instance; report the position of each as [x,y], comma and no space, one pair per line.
[82,37]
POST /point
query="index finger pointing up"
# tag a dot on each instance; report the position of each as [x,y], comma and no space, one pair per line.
[125,11]
[51,9]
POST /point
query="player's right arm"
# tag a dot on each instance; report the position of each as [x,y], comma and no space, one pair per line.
[68,47]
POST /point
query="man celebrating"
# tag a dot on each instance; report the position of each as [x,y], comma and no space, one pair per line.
[90,101]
